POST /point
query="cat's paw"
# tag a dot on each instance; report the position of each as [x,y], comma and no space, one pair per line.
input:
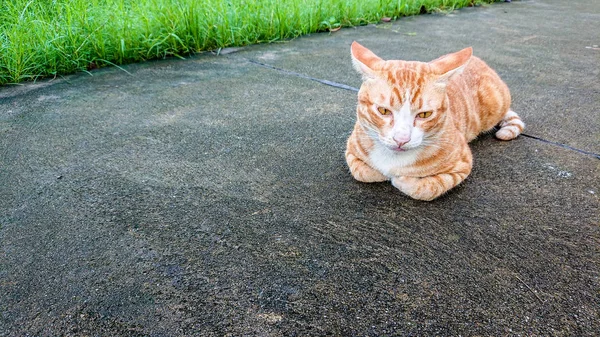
[414,188]
[369,176]
[363,172]
[406,185]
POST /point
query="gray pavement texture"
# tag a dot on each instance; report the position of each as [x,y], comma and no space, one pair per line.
[210,196]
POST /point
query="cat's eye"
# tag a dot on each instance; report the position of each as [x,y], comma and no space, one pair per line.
[425,114]
[384,111]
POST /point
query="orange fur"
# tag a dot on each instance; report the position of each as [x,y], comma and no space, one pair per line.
[414,120]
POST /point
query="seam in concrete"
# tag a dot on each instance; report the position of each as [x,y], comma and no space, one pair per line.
[347,87]
[293,73]
[562,145]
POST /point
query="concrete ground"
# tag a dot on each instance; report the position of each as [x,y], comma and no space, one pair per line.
[210,196]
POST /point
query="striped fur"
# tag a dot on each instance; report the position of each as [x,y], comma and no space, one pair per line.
[414,120]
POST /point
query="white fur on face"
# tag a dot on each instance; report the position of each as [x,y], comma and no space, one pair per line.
[403,127]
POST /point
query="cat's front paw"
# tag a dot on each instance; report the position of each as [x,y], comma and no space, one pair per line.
[406,185]
[363,172]
[413,187]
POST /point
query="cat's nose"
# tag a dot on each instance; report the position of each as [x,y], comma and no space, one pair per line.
[401,139]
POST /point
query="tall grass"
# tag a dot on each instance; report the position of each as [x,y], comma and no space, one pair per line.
[40,38]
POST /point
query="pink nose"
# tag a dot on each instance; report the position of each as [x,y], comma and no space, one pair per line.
[401,139]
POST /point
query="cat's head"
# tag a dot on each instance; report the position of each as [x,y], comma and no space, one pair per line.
[402,104]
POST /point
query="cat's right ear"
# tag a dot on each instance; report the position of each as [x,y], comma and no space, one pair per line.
[365,61]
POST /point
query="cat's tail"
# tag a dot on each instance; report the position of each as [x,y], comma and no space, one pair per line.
[511,126]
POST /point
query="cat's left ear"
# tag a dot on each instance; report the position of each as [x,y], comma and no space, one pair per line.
[365,61]
[451,64]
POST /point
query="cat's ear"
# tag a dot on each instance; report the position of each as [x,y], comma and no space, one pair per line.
[365,61]
[451,64]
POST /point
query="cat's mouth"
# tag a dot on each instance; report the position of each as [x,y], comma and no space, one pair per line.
[396,148]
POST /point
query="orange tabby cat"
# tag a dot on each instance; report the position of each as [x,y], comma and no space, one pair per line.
[414,120]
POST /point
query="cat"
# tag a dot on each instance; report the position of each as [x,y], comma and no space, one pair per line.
[415,119]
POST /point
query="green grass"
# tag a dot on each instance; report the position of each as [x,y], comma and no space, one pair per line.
[42,38]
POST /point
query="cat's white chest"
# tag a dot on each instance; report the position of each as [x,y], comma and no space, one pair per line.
[391,163]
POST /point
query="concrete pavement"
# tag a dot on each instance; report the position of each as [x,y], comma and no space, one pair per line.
[210,197]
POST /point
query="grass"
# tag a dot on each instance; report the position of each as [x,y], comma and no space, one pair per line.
[42,38]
